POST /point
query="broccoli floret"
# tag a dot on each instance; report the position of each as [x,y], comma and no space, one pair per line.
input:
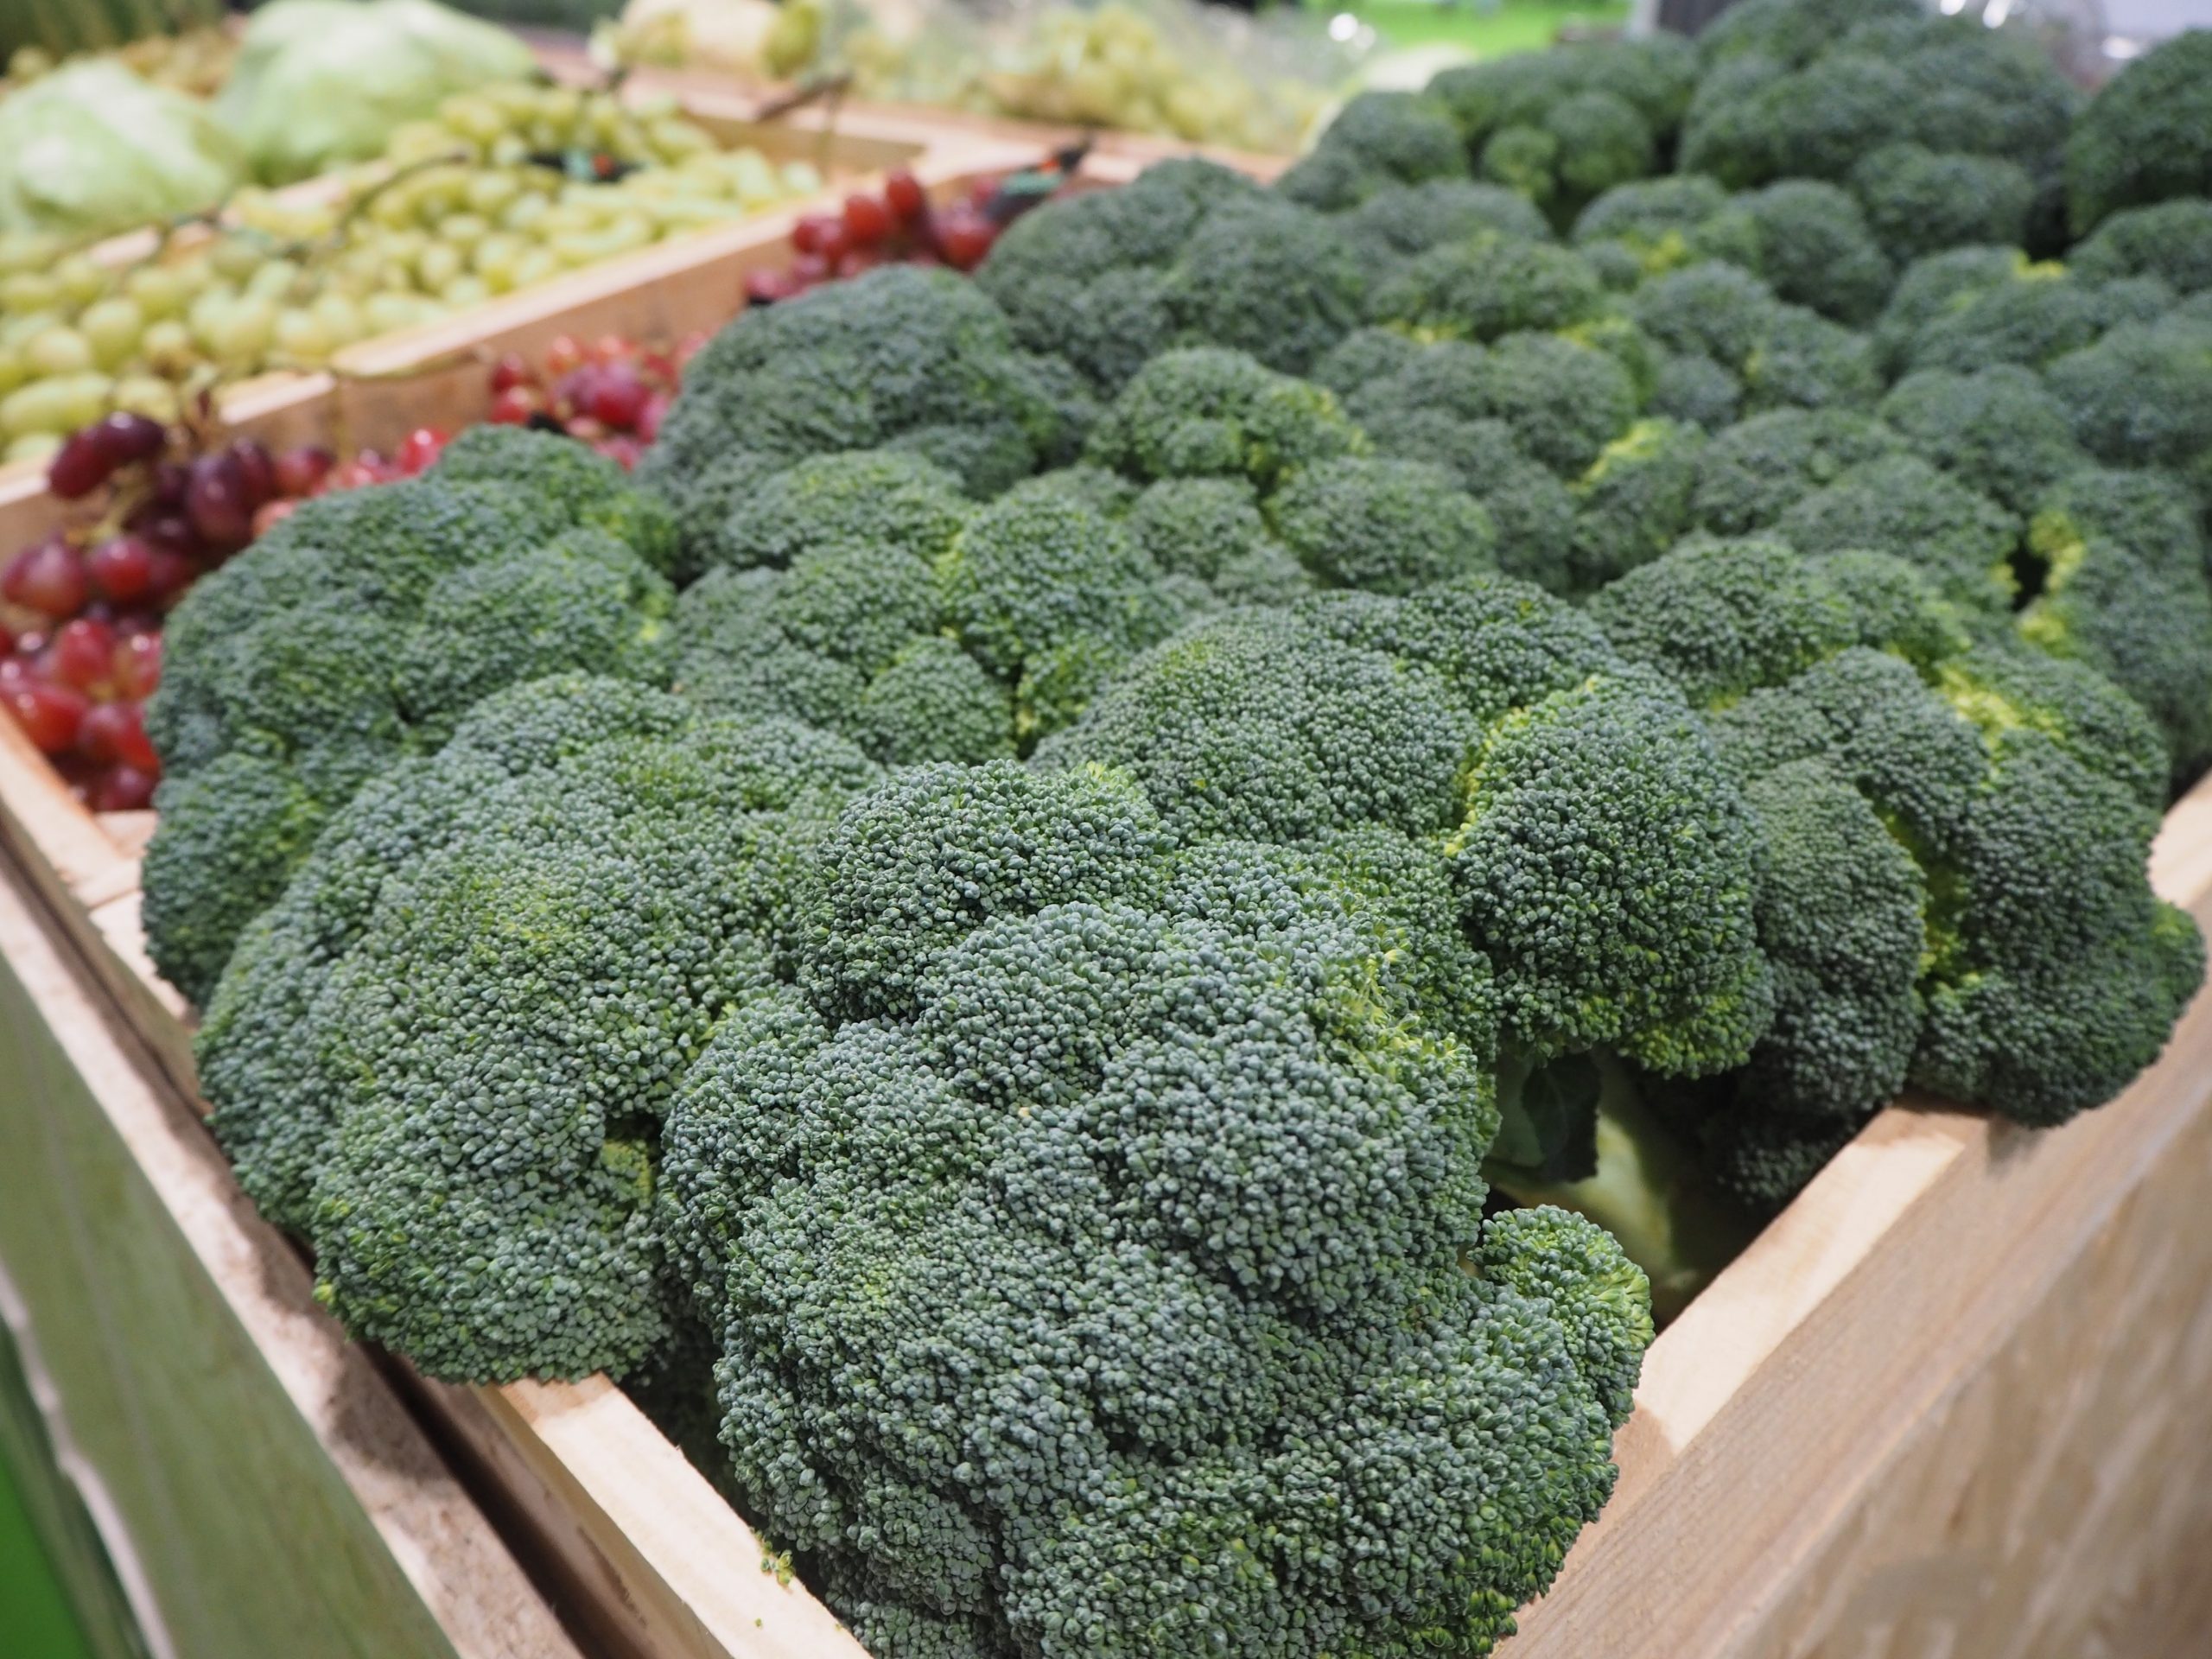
[2142,396]
[1377,140]
[900,359]
[475,1171]
[2121,584]
[2172,243]
[1753,121]
[1780,356]
[1947,751]
[584,487]
[1210,1049]
[1920,201]
[1971,308]
[1211,413]
[1788,32]
[1815,248]
[1998,431]
[853,502]
[1632,504]
[1410,219]
[1485,287]
[1667,223]
[359,631]
[1901,505]
[1382,526]
[1690,387]
[1041,594]
[1751,474]
[2146,137]
[1189,254]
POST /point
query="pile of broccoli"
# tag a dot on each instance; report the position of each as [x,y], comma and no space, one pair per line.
[1041,930]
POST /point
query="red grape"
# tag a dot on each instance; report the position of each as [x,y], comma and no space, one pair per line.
[136,666]
[964,236]
[820,233]
[49,714]
[81,655]
[651,417]
[7,640]
[353,475]
[269,514]
[691,346]
[90,455]
[510,370]
[621,448]
[217,503]
[857,260]
[419,449]
[300,469]
[259,469]
[619,397]
[47,577]
[613,348]
[902,194]
[515,406]
[123,789]
[767,287]
[121,568]
[868,221]
[171,574]
[564,354]
[113,733]
[808,269]
[171,480]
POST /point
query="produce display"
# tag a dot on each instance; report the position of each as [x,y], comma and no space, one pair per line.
[1170,67]
[196,61]
[322,82]
[1114,924]
[480,201]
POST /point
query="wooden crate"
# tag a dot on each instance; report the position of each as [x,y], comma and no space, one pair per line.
[1948,1404]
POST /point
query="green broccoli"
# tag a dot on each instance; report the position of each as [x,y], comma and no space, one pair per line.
[1212,529]
[358,632]
[2142,396]
[1403,219]
[937,647]
[1487,286]
[1887,967]
[1919,201]
[1384,526]
[1816,249]
[1788,32]
[1665,223]
[1971,308]
[1377,140]
[900,358]
[1188,254]
[1751,474]
[2146,137]
[1964,542]
[1206,412]
[1065,1125]
[1777,355]
[1997,431]
[2170,243]
[475,1170]
[2120,582]
[1632,504]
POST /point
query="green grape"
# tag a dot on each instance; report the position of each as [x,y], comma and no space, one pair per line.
[32,446]
[148,395]
[536,266]
[58,350]
[81,278]
[462,229]
[111,327]
[438,264]
[464,291]
[340,316]
[234,258]
[242,333]
[28,292]
[158,291]
[168,346]
[14,371]
[301,337]
[274,280]
[495,257]
[58,405]
[491,191]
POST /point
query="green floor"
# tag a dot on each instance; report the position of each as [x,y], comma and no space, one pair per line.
[36,1620]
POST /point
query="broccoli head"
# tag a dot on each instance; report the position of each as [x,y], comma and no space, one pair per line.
[1065,1125]
[1968,309]
[1752,472]
[1920,201]
[1998,431]
[1378,140]
[1962,540]
[1632,505]
[443,1056]
[1382,526]
[1187,254]
[1774,356]
[900,359]
[2146,137]
[1403,219]
[359,631]
[1889,967]
[1487,286]
[2142,396]
[2170,243]
[1207,412]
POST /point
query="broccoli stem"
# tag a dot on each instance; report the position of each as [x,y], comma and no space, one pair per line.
[1647,1193]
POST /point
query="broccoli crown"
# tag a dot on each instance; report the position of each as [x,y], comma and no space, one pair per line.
[1775,356]
[900,359]
[1207,412]
[1919,201]
[1632,504]
[1403,219]
[2170,242]
[2142,396]
[1752,472]
[1574,799]
[1817,248]
[1788,32]
[1377,141]
[1382,526]
[1187,254]
[1665,223]
[952,647]
[2146,137]
[1884,972]
[358,632]
[854,502]
[1045,1077]
[1998,430]
[1968,309]
[1212,529]
[444,1054]
[1487,286]
[2123,586]
[1962,540]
